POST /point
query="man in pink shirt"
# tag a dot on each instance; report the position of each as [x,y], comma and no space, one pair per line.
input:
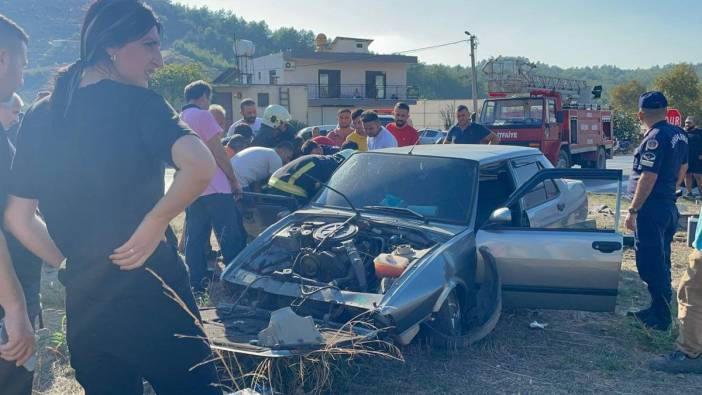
[343,128]
[404,133]
[216,208]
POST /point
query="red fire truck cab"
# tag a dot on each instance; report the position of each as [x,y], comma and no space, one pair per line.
[568,134]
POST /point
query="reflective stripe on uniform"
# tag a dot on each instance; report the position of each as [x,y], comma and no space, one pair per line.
[289,185]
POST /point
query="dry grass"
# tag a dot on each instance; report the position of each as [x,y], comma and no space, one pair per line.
[578,352]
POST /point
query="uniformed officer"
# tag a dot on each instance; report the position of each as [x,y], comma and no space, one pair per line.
[302,177]
[660,163]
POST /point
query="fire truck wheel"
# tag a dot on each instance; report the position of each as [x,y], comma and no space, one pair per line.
[563,160]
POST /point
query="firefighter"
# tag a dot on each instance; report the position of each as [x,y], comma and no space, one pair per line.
[303,177]
[274,128]
[660,163]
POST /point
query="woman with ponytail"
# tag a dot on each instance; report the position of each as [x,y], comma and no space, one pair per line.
[91,156]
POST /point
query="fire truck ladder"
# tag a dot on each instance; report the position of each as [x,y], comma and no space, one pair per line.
[515,75]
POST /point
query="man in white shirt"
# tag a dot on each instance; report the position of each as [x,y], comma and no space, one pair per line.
[378,136]
[248,113]
[256,164]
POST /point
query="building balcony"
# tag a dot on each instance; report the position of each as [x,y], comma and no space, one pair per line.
[358,95]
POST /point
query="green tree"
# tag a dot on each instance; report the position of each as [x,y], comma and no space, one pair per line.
[626,126]
[625,97]
[170,81]
[681,85]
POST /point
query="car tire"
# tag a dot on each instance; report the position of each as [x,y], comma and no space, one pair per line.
[563,159]
[448,332]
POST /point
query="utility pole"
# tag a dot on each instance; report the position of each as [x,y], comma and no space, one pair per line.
[474,73]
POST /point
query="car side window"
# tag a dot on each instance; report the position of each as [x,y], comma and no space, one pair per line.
[542,192]
[494,188]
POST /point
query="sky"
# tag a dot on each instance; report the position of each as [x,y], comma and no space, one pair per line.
[566,33]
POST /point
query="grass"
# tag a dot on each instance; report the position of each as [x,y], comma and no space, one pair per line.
[578,352]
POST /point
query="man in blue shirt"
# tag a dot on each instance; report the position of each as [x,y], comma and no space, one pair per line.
[660,163]
[465,131]
[686,357]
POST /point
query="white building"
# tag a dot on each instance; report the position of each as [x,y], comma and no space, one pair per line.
[343,73]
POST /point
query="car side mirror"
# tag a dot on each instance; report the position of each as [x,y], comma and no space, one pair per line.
[501,216]
[559,116]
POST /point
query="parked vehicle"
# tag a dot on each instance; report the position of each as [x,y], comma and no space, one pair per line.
[489,226]
[555,115]
[306,133]
[432,136]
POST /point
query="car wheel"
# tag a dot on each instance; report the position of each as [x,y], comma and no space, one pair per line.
[601,162]
[455,326]
[563,160]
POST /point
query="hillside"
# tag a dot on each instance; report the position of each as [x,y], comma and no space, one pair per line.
[205,36]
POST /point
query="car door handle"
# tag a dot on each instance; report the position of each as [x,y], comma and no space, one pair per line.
[560,206]
[607,246]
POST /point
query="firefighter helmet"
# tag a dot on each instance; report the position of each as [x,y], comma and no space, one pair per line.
[275,115]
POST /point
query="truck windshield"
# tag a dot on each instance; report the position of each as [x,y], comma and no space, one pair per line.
[372,180]
[513,112]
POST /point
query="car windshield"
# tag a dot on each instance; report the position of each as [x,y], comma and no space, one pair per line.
[439,189]
[513,112]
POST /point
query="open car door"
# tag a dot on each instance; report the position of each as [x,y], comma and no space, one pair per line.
[556,245]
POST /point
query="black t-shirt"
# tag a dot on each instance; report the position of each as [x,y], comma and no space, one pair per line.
[473,134]
[269,137]
[694,141]
[95,176]
[26,265]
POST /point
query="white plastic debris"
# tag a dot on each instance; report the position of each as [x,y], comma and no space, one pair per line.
[287,329]
[537,325]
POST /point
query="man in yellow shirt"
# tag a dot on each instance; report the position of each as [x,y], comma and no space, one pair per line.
[359,134]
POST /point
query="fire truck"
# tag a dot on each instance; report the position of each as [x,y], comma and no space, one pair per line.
[559,116]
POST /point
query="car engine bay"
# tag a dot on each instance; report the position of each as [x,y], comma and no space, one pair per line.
[353,255]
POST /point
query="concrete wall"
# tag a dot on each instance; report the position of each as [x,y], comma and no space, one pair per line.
[262,66]
[307,72]
[298,98]
[349,45]
[427,113]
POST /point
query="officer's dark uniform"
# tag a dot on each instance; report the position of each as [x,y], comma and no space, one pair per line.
[663,151]
[301,178]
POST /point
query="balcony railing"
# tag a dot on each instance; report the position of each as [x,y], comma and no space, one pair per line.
[361,91]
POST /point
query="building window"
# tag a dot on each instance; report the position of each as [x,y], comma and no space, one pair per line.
[263,99]
[259,76]
[359,45]
[329,83]
[375,85]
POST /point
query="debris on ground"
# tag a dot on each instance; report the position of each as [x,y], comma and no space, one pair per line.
[537,325]
[602,209]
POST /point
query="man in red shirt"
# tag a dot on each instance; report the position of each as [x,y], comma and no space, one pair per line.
[401,129]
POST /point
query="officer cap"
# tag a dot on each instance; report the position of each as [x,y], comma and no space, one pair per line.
[653,99]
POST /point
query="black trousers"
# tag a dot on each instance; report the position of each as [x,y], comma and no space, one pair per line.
[115,344]
[15,380]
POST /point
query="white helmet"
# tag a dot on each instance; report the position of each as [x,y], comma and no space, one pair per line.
[275,115]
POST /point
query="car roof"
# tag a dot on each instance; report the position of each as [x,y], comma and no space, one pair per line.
[475,152]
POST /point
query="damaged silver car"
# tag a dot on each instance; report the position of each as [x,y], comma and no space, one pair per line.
[435,237]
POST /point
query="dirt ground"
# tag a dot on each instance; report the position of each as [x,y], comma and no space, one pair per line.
[577,352]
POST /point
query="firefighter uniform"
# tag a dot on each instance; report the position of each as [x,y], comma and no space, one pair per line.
[663,151]
[302,177]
